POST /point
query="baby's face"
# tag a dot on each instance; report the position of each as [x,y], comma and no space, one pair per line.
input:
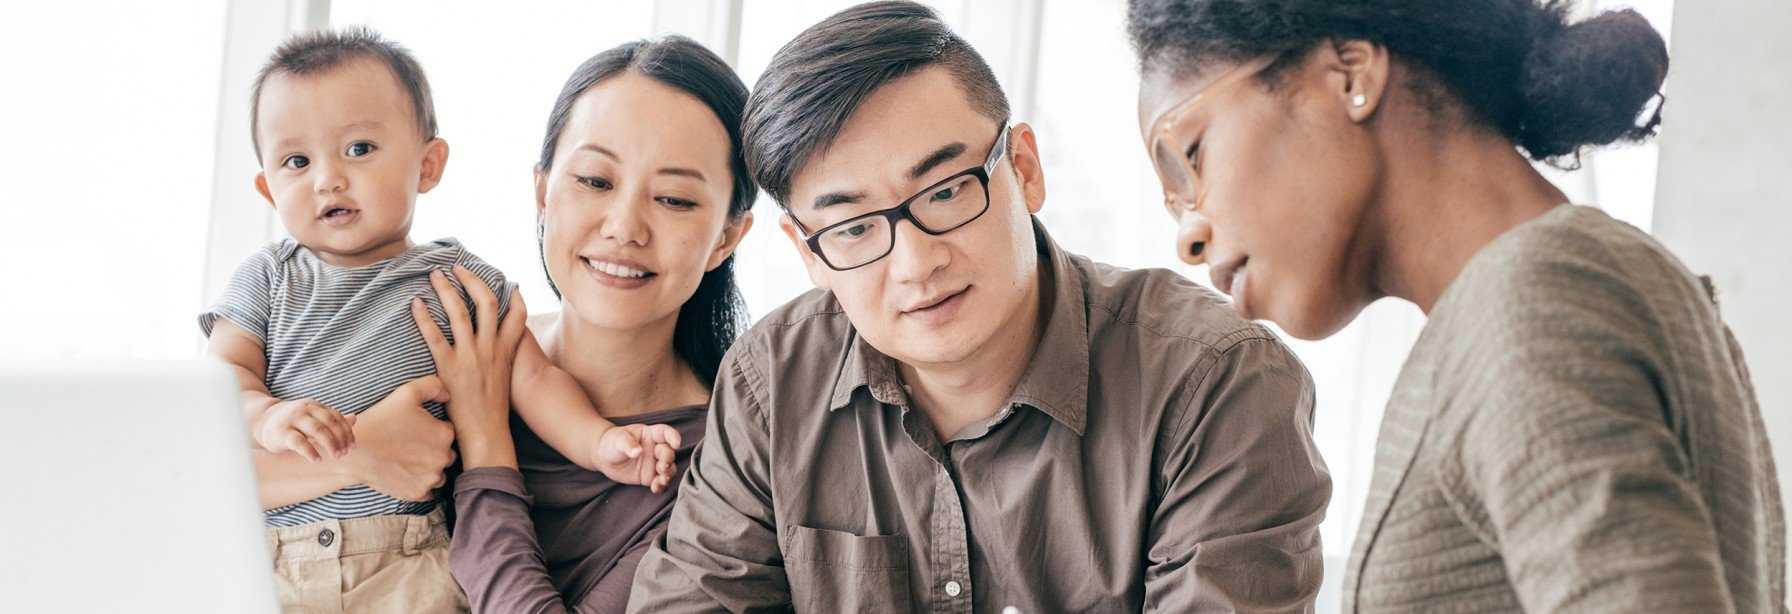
[343,160]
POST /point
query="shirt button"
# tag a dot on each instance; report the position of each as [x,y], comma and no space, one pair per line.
[326,538]
[952,589]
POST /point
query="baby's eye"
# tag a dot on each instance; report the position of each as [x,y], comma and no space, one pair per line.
[296,162]
[360,149]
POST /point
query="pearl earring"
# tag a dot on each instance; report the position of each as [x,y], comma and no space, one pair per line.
[1359,100]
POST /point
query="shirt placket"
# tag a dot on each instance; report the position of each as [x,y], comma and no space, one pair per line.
[950,569]
[951,544]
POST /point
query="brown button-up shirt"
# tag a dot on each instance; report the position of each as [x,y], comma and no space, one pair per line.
[1155,455]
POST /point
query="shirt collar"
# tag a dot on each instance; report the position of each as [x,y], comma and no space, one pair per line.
[1056,380]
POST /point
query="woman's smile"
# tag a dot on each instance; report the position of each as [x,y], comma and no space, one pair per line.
[617,273]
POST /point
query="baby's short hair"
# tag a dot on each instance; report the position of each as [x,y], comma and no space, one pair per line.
[321,50]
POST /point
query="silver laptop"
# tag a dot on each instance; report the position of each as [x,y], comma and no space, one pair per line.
[129,487]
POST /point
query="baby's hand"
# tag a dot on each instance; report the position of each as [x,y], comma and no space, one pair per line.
[307,427]
[618,453]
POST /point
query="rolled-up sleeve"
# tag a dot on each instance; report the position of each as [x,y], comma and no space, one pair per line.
[1243,488]
[720,551]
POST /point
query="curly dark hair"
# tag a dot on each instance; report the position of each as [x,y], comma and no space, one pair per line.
[1551,87]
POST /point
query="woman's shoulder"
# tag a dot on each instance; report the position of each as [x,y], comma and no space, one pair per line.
[1574,263]
[1573,305]
[1568,296]
[543,323]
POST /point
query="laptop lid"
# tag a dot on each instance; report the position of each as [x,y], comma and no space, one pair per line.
[130,486]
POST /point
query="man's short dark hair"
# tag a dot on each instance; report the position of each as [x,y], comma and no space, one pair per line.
[817,80]
[321,50]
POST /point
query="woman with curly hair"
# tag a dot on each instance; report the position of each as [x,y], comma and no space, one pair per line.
[1575,428]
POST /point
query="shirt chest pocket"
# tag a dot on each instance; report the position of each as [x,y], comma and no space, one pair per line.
[836,571]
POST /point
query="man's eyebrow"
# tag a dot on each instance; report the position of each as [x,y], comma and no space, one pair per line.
[838,198]
[933,160]
[938,157]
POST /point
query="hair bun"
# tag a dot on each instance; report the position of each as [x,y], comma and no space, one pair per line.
[1586,84]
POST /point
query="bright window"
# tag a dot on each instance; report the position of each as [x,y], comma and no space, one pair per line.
[109,134]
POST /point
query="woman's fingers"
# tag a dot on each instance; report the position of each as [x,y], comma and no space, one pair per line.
[485,302]
[510,331]
[458,322]
[424,389]
[432,333]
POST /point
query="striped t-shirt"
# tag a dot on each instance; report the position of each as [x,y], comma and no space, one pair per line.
[345,337]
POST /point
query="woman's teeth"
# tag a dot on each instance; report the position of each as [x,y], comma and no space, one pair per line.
[615,269]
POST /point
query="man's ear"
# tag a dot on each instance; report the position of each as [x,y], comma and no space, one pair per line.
[1025,147]
[261,185]
[731,235]
[818,270]
[435,158]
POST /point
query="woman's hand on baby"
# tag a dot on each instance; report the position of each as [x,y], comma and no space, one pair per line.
[403,449]
[637,454]
[307,427]
[477,366]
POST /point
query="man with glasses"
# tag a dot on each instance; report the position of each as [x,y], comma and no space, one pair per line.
[965,417]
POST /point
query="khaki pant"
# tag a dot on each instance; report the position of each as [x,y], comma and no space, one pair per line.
[378,564]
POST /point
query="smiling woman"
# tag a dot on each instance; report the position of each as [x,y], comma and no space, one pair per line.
[642,197]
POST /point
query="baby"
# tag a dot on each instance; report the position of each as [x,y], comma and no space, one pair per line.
[319,326]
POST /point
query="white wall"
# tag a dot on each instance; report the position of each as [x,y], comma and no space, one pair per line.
[1724,197]
[107,116]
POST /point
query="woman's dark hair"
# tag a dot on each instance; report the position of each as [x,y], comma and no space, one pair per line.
[1516,65]
[713,316]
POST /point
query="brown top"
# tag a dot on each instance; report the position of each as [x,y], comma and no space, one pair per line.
[574,544]
[1575,431]
[1156,454]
